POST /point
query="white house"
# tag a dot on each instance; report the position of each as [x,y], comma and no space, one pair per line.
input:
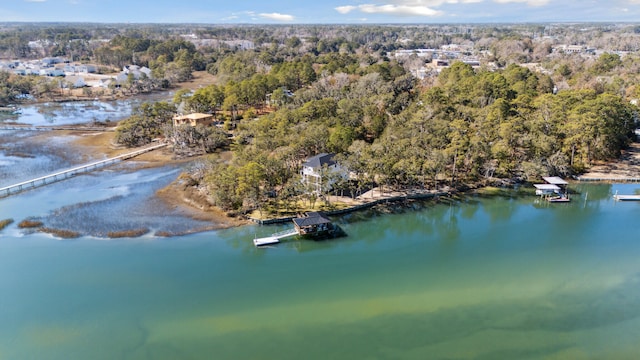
[103,83]
[52,72]
[21,70]
[86,68]
[76,81]
[137,72]
[319,166]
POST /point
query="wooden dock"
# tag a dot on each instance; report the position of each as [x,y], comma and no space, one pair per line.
[623,197]
[274,238]
[52,128]
[61,175]
[613,179]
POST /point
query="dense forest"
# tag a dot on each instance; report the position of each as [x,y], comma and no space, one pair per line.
[304,90]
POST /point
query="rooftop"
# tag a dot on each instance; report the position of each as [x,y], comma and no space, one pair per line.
[554,180]
[312,218]
[194,116]
[319,160]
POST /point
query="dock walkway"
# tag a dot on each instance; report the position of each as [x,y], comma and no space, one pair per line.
[52,128]
[61,175]
[615,179]
[274,238]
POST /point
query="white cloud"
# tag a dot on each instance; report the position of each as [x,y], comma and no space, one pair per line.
[345,9]
[404,10]
[404,7]
[277,16]
[529,2]
[391,9]
[424,7]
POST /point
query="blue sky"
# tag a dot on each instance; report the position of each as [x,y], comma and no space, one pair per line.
[319,11]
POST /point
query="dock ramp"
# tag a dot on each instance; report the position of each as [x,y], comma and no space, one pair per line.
[274,238]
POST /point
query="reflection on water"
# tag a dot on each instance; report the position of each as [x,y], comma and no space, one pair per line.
[463,279]
[26,155]
[79,112]
[109,200]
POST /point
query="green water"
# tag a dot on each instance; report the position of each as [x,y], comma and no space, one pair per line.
[479,278]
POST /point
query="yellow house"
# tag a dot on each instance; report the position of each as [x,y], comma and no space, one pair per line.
[193,119]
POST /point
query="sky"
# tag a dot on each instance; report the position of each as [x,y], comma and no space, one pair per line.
[319,11]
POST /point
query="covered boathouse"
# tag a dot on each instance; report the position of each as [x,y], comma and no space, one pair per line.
[313,224]
[555,189]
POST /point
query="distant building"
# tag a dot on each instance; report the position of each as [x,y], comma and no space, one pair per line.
[193,119]
[417,52]
[575,49]
[135,70]
[52,72]
[76,81]
[440,62]
[86,68]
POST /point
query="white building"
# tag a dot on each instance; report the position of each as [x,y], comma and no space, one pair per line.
[319,166]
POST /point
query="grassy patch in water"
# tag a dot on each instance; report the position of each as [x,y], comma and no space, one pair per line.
[127,233]
[506,191]
[28,223]
[4,223]
[65,234]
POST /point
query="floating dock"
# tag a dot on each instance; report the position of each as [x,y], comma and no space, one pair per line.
[274,238]
[626,197]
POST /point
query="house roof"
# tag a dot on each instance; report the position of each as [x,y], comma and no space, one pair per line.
[319,160]
[554,180]
[546,187]
[194,116]
[312,218]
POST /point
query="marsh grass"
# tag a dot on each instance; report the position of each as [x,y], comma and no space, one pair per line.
[127,233]
[65,234]
[28,223]
[165,234]
[4,223]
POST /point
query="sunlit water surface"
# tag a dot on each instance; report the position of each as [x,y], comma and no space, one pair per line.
[481,278]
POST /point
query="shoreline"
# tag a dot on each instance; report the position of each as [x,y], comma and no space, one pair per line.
[175,195]
[189,202]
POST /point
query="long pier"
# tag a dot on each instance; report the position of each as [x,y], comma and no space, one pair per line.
[51,128]
[608,179]
[61,175]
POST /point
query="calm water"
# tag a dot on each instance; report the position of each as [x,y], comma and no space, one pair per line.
[79,112]
[26,155]
[480,278]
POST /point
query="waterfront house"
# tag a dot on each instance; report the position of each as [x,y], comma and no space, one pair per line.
[321,170]
[138,72]
[193,119]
